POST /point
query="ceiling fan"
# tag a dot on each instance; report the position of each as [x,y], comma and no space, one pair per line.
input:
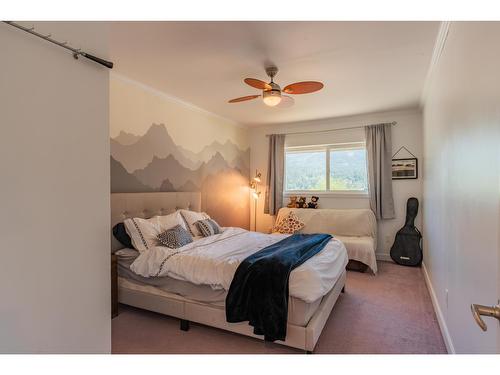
[272,94]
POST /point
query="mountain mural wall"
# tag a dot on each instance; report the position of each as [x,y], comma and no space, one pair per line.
[152,161]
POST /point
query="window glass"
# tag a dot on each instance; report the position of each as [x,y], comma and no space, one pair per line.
[305,170]
[348,169]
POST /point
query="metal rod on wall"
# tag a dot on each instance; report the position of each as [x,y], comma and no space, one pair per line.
[76,51]
[328,130]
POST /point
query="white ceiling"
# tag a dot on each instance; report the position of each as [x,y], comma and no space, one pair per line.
[365,66]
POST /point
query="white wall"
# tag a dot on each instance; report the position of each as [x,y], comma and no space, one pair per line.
[54,164]
[462,184]
[408,133]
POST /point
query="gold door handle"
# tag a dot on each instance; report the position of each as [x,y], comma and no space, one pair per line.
[478,310]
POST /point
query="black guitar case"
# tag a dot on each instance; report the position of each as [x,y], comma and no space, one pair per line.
[407,249]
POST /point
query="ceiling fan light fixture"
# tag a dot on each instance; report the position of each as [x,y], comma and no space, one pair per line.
[271,91]
[271,98]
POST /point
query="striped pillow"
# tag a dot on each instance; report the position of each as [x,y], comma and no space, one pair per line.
[175,237]
[144,232]
[208,227]
[190,219]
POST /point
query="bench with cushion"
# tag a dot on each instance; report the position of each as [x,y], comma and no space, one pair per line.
[356,228]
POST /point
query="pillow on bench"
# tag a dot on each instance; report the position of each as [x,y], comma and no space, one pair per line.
[289,224]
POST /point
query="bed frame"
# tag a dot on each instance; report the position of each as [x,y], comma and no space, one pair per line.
[145,205]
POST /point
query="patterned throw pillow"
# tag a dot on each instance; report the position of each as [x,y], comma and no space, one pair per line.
[175,237]
[290,224]
[144,232]
[190,218]
[208,227]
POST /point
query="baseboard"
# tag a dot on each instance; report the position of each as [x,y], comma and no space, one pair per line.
[439,314]
[385,257]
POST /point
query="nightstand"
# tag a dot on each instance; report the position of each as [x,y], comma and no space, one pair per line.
[114,286]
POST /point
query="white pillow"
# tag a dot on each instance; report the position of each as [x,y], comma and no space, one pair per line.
[144,232]
[127,253]
[191,217]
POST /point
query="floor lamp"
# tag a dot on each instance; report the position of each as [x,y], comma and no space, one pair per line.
[254,185]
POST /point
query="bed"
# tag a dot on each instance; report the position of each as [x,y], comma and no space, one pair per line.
[204,304]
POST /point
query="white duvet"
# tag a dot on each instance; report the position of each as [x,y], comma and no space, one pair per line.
[213,261]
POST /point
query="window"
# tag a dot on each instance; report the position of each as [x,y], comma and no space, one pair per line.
[348,169]
[330,168]
[306,170]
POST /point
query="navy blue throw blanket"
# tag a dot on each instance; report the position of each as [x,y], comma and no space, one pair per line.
[259,290]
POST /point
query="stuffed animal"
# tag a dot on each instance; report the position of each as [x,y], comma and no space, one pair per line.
[313,203]
[293,201]
[301,203]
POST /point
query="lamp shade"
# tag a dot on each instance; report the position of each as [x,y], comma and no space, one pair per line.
[271,98]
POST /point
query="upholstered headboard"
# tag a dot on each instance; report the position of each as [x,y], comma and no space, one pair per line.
[146,205]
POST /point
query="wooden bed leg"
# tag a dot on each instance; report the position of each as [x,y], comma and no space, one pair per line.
[184,325]
[343,289]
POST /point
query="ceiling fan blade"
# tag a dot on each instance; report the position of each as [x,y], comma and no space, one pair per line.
[243,98]
[303,87]
[257,83]
[286,101]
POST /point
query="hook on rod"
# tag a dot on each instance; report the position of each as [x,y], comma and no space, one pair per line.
[75,51]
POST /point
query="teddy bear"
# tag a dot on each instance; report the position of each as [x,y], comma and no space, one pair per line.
[301,203]
[293,201]
[314,202]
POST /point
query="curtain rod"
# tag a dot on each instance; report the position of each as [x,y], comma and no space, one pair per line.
[76,51]
[332,130]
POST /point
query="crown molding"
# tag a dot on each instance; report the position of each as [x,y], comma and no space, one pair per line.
[174,99]
[436,55]
[353,120]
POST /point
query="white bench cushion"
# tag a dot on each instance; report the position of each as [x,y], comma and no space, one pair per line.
[361,249]
[356,228]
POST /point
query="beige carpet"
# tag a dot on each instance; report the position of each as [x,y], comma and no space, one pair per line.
[388,313]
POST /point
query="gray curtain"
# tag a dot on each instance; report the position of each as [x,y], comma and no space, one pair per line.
[275,174]
[379,152]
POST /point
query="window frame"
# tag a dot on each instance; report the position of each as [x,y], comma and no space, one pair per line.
[327,148]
